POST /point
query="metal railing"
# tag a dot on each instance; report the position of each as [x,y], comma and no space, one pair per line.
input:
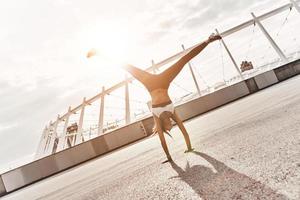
[198,84]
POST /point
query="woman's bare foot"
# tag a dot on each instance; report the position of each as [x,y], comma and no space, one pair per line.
[169,159]
[214,37]
[189,150]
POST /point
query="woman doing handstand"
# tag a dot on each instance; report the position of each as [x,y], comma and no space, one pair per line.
[157,85]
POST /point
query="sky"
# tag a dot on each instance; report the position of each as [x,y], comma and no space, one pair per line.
[43,50]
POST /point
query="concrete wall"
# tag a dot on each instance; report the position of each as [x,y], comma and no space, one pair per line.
[67,158]
[265,79]
[252,86]
[71,157]
[2,188]
[296,66]
[124,135]
[211,101]
[148,123]
[287,71]
[52,164]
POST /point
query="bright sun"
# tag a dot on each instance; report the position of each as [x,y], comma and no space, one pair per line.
[111,41]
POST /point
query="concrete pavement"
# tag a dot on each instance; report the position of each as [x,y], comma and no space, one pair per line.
[248,149]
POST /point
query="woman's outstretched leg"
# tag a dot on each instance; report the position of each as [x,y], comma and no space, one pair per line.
[137,73]
[170,73]
[184,132]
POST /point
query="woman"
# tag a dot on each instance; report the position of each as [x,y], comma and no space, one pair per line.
[157,85]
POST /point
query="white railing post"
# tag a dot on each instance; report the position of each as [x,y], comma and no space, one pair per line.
[79,136]
[53,136]
[101,113]
[193,75]
[42,143]
[48,138]
[230,56]
[127,103]
[40,146]
[295,5]
[62,140]
[270,39]
[154,67]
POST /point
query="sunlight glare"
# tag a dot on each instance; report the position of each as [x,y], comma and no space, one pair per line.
[109,41]
[105,58]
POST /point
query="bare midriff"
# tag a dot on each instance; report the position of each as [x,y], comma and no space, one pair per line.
[159,96]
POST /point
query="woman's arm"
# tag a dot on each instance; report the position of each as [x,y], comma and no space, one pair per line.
[185,134]
[160,132]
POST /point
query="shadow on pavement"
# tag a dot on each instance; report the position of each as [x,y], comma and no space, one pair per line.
[226,183]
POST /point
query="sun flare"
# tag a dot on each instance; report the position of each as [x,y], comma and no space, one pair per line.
[109,41]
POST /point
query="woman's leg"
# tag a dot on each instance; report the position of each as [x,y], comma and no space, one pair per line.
[184,132]
[169,74]
[173,71]
[137,73]
[162,137]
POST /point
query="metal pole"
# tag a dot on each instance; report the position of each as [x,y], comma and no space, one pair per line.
[44,148]
[270,39]
[127,104]
[231,57]
[62,140]
[295,5]
[48,138]
[193,75]
[78,138]
[90,133]
[153,66]
[41,143]
[53,136]
[101,115]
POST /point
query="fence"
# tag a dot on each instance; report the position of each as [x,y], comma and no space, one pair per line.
[217,67]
